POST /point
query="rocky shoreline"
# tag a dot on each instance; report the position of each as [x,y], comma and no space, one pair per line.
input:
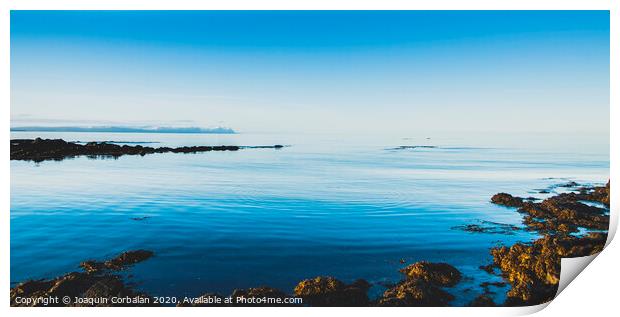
[531,269]
[39,150]
[97,283]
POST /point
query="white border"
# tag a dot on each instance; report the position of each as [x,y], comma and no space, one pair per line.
[317,5]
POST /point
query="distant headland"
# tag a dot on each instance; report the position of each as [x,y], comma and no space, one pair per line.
[125,129]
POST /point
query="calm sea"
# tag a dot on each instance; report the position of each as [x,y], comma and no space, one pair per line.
[345,206]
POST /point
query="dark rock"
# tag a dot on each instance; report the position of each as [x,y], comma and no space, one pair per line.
[112,286]
[118,263]
[438,274]
[140,218]
[489,268]
[562,213]
[570,184]
[482,301]
[489,227]
[421,287]
[486,286]
[39,150]
[507,200]
[471,228]
[415,293]
[413,147]
[92,266]
[277,146]
[533,270]
[496,284]
[96,287]
[328,291]
[128,258]
[600,194]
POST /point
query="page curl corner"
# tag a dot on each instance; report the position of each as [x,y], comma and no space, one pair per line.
[570,269]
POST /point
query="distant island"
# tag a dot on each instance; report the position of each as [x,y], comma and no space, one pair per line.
[121,129]
[39,150]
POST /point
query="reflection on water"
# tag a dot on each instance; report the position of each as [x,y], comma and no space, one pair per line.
[326,205]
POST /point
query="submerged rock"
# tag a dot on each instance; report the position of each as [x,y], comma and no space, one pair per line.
[328,291]
[118,263]
[486,285]
[489,268]
[570,184]
[140,218]
[489,228]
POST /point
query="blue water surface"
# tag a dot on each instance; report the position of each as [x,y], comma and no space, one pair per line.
[345,206]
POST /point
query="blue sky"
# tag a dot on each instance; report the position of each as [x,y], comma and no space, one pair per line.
[314,71]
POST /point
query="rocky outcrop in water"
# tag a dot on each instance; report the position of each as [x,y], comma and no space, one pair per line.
[533,269]
[95,287]
[564,212]
[118,263]
[39,150]
[410,293]
[422,286]
[439,274]
[328,291]
[507,200]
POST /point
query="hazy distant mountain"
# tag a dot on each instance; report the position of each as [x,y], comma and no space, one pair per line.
[120,129]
